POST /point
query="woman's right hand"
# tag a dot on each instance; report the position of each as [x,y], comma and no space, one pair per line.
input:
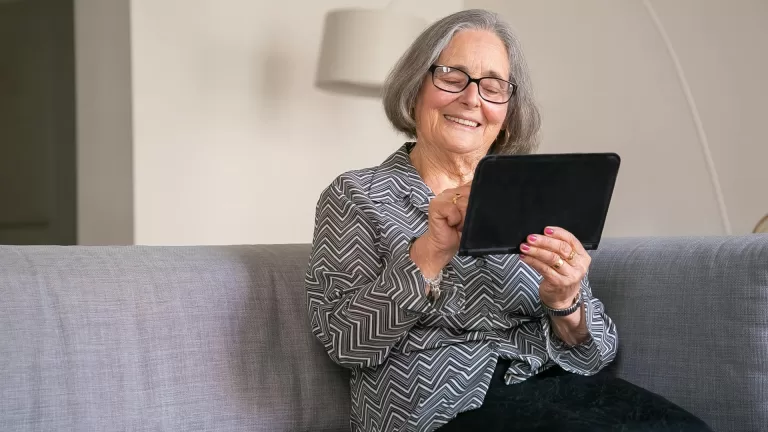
[439,244]
[446,220]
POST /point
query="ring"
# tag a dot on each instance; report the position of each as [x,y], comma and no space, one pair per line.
[573,254]
[456,197]
[558,264]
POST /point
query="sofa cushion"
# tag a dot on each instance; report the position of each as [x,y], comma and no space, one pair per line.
[217,337]
[692,320]
[162,338]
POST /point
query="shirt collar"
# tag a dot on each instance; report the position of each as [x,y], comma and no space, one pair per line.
[396,178]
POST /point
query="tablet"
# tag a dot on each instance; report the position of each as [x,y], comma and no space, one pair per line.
[513,196]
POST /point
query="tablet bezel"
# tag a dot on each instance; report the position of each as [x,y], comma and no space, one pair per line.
[612,158]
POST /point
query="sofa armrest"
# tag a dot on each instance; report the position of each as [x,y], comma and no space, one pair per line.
[692,320]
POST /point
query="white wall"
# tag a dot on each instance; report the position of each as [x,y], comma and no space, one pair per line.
[725,54]
[606,82]
[104,141]
[232,143]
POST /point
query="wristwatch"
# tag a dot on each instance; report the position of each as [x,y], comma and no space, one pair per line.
[563,312]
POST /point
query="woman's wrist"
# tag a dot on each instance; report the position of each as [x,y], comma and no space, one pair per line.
[427,258]
[559,303]
[572,329]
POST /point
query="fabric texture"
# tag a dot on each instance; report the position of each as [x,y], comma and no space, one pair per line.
[557,400]
[162,339]
[692,313]
[216,338]
[368,306]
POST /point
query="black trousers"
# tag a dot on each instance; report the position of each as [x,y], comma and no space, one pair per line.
[556,400]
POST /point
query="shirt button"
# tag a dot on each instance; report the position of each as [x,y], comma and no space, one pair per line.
[480,263]
[494,345]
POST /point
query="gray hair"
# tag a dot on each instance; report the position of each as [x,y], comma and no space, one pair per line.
[519,134]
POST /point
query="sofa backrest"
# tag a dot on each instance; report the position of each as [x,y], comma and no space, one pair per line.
[692,320]
[162,338]
[217,337]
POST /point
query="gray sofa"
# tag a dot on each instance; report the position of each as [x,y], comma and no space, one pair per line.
[217,338]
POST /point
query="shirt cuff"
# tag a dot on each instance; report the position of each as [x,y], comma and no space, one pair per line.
[405,284]
[582,358]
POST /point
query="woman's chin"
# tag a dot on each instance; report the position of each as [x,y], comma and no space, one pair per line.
[463,144]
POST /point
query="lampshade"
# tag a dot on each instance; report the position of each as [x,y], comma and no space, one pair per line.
[360,46]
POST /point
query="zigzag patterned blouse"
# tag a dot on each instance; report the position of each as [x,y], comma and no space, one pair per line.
[416,364]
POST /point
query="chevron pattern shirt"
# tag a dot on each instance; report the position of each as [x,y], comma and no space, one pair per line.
[416,364]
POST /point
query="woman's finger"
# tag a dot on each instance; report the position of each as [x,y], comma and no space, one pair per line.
[566,236]
[450,212]
[551,258]
[580,258]
[457,198]
[555,245]
[545,270]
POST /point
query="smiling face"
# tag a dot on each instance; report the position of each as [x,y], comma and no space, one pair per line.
[463,122]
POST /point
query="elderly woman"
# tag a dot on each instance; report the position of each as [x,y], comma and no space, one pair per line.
[435,340]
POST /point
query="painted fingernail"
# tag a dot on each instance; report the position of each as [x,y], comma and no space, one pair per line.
[525,247]
[549,231]
[532,238]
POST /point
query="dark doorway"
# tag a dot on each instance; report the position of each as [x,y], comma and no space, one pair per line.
[37,122]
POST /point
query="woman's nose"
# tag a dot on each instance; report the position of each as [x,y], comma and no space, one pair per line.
[470,96]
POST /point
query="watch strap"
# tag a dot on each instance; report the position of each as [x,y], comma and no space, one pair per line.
[564,312]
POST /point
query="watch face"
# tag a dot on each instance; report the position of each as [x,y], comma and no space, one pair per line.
[762,226]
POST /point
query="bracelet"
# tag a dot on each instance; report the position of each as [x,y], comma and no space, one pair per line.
[434,286]
[563,312]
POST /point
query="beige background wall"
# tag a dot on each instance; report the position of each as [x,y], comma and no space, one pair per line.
[606,82]
[232,143]
[725,54]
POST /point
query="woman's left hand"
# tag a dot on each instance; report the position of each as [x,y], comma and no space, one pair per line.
[561,260]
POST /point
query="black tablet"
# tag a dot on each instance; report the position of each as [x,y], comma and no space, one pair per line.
[513,196]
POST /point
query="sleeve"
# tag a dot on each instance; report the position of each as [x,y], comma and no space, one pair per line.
[597,351]
[361,304]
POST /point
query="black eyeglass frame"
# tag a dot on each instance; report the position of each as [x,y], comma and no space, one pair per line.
[471,80]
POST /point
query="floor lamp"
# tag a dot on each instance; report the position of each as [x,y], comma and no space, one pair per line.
[762,226]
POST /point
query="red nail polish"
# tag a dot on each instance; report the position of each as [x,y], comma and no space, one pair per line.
[532,238]
[549,231]
[525,248]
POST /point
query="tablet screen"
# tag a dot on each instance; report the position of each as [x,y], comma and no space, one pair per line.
[517,195]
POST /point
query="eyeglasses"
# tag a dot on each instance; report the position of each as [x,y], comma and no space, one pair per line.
[452,80]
